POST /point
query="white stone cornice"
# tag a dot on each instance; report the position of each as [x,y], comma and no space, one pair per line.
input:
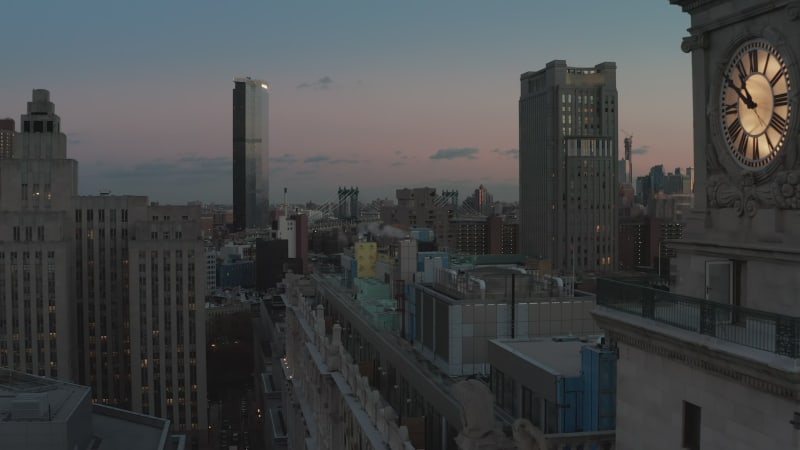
[751,252]
[763,371]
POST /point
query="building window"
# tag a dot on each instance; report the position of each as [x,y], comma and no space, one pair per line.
[691,426]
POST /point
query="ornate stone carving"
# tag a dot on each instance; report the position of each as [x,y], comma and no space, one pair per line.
[692,5]
[475,399]
[786,188]
[694,42]
[745,196]
[477,405]
[527,436]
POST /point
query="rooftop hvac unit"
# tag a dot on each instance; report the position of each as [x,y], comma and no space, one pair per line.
[30,407]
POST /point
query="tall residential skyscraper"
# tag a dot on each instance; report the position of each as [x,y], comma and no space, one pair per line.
[37,243]
[250,153]
[7,133]
[568,165]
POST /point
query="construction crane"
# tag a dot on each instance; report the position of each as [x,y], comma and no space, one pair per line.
[628,156]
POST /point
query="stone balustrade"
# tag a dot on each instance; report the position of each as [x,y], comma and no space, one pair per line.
[337,359]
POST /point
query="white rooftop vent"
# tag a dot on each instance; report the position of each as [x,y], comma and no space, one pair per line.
[30,407]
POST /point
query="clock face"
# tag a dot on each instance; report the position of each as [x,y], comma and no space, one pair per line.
[754,104]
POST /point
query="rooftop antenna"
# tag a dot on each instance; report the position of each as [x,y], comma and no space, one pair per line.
[285,206]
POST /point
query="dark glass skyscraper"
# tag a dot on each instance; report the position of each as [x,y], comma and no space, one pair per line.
[250,153]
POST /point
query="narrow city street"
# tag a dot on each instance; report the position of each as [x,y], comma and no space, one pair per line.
[235,421]
[233,407]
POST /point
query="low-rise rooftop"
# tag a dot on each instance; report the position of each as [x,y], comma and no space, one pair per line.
[48,414]
[556,356]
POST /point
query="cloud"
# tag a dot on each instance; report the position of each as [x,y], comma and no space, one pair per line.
[323,83]
[169,180]
[401,155]
[454,153]
[283,159]
[512,152]
[344,161]
[398,163]
[316,159]
[185,166]
[641,150]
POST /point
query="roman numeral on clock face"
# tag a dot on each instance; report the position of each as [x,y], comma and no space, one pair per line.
[753,56]
[781,99]
[740,67]
[777,77]
[769,142]
[742,147]
[778,123]
[734,129]
[755,148]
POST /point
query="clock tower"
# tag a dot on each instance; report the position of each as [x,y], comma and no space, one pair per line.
[721,351]
[742,245]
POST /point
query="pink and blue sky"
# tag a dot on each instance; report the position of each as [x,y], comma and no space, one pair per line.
[379,95]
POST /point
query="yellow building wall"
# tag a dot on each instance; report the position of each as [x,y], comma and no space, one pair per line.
[366,257]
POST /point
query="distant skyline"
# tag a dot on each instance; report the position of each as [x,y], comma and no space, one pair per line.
[375,95]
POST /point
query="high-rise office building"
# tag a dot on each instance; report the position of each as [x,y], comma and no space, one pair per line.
[79,301]
[37,241]
[103,229]
[250,153]
[140,272]
[568,166]
[167,317]
[7,133]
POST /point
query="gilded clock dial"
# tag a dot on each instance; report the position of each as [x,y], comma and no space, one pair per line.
[755,110]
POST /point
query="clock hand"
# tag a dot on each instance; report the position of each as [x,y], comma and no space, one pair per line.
[755,110]
[746,99]
[743,81]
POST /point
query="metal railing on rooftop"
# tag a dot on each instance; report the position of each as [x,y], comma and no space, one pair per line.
[771,332]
